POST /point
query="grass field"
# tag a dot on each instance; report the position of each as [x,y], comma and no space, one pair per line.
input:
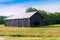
[51,32]
[32,38]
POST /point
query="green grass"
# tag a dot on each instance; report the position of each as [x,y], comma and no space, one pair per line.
[2,26]
[48,31]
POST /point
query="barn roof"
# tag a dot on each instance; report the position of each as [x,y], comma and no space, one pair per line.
[21,16]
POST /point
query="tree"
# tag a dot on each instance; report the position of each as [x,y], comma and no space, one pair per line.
[49,18]
[41,12]
[30,9]
[2,19]
[58,17]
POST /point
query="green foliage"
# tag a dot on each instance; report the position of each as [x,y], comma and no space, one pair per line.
[57,16]
[31,9]
[44,14]
[49,18]
[1,19]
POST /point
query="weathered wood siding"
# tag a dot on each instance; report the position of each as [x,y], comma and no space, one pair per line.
[8,23]
[36,18]
[24,22]
[18,22]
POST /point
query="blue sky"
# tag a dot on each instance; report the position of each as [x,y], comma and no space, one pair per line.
[13,7]
[11,2]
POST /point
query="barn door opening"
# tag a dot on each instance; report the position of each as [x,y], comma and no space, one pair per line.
[36,23]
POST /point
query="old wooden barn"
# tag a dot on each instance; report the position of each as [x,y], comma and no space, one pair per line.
[25,20]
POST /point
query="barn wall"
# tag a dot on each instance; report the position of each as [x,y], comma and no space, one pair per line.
[37,18]
[24,22]
[11,23]
[18,22]
[14,22]
[8,23]
[5,23]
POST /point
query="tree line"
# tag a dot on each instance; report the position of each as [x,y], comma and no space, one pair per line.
[49,18]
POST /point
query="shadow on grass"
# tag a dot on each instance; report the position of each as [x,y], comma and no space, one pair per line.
[46,26]
[18,35]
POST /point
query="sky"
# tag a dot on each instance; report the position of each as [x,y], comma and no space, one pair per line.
[14,7]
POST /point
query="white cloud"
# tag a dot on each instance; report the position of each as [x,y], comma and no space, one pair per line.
[21,8]
[49,7]
[12,10]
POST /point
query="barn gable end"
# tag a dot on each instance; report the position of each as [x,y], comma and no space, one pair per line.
[37,20]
